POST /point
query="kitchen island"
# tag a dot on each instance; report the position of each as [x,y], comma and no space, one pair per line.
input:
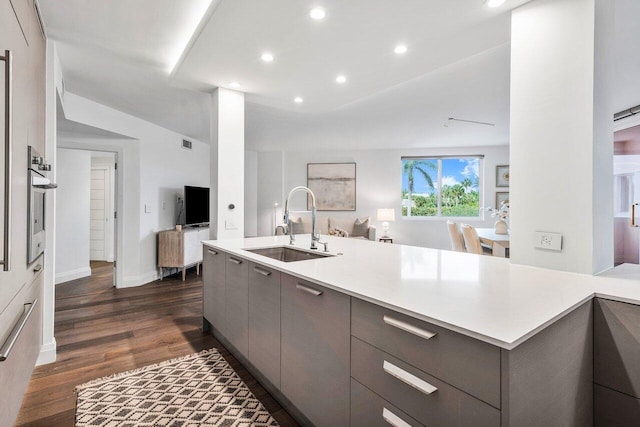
[377,334]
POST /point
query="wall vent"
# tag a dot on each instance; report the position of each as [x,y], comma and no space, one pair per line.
[187,144]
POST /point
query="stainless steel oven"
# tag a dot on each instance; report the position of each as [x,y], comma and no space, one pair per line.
[38,184]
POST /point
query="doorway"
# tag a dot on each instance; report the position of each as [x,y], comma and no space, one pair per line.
[626,171]
[86,214]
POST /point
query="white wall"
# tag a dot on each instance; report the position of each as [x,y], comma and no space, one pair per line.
[270,191]
[562,133]
[153,168]
[378,185]
[72,216]
[227,164]
[251,193]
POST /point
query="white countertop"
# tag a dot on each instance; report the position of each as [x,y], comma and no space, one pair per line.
[484,297]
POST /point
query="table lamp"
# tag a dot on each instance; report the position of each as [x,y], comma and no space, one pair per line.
[385,215]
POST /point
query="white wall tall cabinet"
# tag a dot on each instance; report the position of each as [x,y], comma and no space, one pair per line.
[21,285]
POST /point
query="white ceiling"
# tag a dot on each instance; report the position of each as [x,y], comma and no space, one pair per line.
[356,39]
[120,53]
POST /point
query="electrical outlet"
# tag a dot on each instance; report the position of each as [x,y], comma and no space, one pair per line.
[547,240]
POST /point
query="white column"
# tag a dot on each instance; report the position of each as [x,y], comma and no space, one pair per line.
[227,164]
[561,148]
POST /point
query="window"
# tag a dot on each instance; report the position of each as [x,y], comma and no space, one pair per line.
[441,186]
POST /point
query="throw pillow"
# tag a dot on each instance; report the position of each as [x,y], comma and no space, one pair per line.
[297,227]
[339,232]
[361,227]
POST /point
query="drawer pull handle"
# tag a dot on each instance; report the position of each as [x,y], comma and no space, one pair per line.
[308,290]
[235,261]
[422,333]
[261,271]
[393,419]
[409,379]
[212,252]
[7,346]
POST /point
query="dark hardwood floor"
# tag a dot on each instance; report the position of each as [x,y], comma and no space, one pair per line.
[101,330]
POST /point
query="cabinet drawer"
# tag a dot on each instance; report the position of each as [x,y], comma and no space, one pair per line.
[466,363]
[615,409]
[617,346]
[420,395]
[237,303]
[369,409]
[264,321]
[213,287]
[15,371]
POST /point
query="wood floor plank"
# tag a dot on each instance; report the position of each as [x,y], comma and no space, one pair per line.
[102,330]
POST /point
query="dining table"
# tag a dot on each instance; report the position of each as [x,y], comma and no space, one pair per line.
[499,243]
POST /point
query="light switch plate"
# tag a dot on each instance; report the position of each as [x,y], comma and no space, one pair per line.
[147,208]
[230,225]
[547,240]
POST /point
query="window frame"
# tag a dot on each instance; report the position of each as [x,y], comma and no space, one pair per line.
[439,216]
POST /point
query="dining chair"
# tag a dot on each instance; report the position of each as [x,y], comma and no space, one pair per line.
[457,241]
[472,241]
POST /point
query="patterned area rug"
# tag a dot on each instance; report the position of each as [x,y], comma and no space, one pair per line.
[196,390]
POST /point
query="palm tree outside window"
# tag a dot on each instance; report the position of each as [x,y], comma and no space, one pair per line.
[441,186]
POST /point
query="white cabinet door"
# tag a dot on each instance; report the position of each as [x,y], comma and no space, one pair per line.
[193,245]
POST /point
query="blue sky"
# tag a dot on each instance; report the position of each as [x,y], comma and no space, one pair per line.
[453,172]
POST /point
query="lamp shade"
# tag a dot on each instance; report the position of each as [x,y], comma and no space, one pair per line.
[387,214]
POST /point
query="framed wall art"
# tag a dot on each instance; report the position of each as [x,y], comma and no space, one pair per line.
[501,196]
[334,185]
[502,176]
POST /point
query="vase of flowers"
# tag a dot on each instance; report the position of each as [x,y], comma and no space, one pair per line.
[502,216]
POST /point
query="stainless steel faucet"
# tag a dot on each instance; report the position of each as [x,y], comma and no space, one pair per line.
[287,218]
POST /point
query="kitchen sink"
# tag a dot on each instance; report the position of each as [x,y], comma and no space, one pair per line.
[288,254]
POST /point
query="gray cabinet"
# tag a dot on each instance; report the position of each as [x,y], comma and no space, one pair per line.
[237,303]
[213,287]
[334,360]
[466,363]
[427,399]
[616,363]
[369,409]
[315,351]
[617,346]
[264,321]
[613,408]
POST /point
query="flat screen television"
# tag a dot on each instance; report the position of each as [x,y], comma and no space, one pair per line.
[196,205]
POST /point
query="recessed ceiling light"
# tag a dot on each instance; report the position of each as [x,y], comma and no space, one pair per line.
[267,57]
[234,84]
[341,79]
[317,13]
[400,49]
[495,3]
[298,100]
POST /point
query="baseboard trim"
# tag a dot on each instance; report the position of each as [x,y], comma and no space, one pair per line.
[47,353]
[73,274]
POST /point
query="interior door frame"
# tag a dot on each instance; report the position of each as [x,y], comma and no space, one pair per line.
[626,123]
[118,237]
